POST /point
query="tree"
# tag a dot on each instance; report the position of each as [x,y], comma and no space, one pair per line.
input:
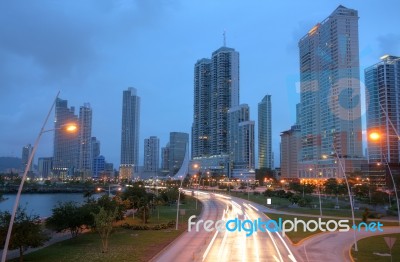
[170,195]
[27,231]
[378,198]
[67,216]
[158,201]
[301,188]
[103,222]
[333,187]
[144,210]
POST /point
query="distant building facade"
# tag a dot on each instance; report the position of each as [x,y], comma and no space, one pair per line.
[265,133]
[66,144]
[85,139]
[165,159]
[151,154]
[382,81]
[330,103]
[130,128]
[290,151]
[178,143]
[26,152]
[216,89]
[45,166]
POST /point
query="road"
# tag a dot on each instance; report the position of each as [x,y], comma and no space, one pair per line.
[227,246]
[334,246]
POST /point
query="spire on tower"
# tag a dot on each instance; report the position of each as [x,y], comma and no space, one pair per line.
[224,34]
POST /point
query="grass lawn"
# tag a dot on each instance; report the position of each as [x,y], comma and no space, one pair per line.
[282,204]
[368,246]
[124,244]
[296,237]
[325,212]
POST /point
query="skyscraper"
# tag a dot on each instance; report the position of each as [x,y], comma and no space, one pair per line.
[95,151]
[85,138]
[330,93]
[216,90]
[151,154]
[245,156]
[382,82]
[237,115]
[26,152]
[66,144]
[165,159]
[290,150]
[201,108]
[178,143]
[130,128]
[265,133]
[45,165]
[224,95]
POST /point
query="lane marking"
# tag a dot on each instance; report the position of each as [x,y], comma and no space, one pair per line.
[256,209]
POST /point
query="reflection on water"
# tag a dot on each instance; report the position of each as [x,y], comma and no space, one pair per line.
[40,204]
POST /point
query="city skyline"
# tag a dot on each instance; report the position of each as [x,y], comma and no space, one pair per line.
[50,70]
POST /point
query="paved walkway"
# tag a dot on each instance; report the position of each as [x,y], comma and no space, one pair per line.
[55,237]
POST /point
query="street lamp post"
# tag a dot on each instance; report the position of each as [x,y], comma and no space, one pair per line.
[319,196]
[248,189]
[70,128]
[177,204]
[350,197]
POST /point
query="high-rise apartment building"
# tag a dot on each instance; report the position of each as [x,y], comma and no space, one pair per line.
[98,166]
[330,94]
[265,133]
[26,152]
[290,151]
[45,165]
[85,139]
[151,154]
[245,157]
[237,115]
[382,82]
[201,136]
[224,95]
[178,143]
[66,144]
[216,90]
[130,129]
[165,159]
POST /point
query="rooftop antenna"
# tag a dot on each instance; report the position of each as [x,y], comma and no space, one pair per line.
[224,34]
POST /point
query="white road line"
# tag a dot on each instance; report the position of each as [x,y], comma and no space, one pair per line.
[209,245]
[256,209]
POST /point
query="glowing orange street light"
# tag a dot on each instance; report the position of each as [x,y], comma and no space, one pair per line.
[71,127]
[374,136]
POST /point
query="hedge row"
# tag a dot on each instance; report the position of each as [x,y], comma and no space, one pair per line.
[147,227]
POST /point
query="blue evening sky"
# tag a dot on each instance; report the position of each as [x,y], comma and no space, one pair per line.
[93,50]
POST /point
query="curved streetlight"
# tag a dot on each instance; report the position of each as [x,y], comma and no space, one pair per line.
[72,127]
[177,207]
[375,137]
[350,197]
[197,166]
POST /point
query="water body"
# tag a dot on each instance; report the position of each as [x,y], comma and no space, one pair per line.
[40,204]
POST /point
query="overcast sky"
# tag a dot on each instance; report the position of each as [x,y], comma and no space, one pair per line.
[93,50]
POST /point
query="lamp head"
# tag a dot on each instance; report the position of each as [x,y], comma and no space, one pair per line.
[374,136]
